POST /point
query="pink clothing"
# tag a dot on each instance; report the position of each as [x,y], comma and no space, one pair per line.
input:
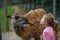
[48,33]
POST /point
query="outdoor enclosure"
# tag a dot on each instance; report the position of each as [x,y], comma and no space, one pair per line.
[7,8]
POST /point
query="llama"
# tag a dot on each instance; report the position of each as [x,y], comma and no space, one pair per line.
[28,26]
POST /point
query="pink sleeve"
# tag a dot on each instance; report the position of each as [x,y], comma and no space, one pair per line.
[46,36]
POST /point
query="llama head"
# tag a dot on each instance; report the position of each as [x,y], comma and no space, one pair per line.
[19,22]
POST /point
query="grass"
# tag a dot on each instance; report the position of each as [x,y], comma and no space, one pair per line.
[2,16]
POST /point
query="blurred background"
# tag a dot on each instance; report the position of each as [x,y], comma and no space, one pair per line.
[7,7]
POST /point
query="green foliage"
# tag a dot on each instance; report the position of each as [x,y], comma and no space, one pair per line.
[10,10]
[2,16]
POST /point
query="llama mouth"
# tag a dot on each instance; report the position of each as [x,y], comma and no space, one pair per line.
[18,26]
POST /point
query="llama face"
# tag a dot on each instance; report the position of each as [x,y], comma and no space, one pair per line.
[19,22]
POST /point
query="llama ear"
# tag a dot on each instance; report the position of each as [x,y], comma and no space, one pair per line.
[8,16]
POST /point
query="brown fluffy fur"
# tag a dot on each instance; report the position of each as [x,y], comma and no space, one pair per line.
[35,28]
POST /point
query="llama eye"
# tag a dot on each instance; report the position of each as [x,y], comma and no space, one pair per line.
[16,17]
